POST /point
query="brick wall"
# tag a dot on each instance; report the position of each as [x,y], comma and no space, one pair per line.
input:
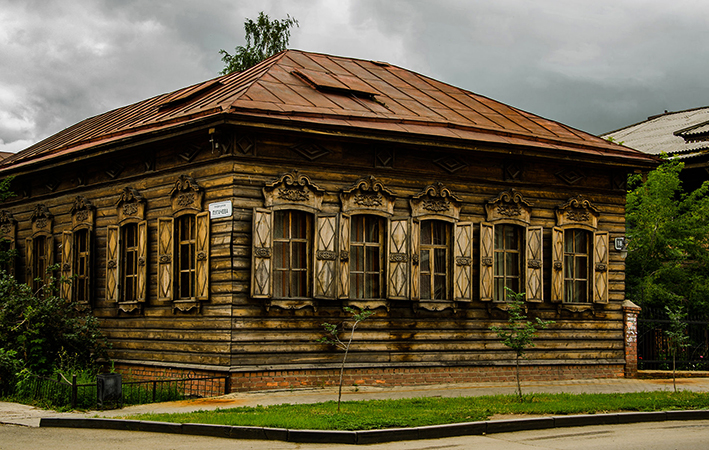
[409,376]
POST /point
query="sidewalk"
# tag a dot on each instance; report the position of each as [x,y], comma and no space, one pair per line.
[13,413]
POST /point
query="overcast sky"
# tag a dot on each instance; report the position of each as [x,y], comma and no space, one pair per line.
[597,65]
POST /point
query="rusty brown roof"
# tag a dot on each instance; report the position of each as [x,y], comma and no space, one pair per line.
[321,90]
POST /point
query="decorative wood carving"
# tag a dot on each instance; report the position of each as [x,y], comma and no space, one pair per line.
[367,195]
[577,211]
[451,164]
[571,176]
[293,189]
[435,200]
[8,225]
[82,212]
[310,151]
[130,205]
[511,206]
[186,195]
[41,220]
[512,171]
[325,279]
[384,158]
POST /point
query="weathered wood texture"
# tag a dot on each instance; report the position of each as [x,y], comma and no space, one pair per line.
[234,329]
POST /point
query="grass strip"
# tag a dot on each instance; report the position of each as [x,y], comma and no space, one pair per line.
[415,412]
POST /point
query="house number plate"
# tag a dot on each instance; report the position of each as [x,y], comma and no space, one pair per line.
[220,209]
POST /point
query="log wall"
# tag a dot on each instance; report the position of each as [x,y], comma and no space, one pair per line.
[234,332]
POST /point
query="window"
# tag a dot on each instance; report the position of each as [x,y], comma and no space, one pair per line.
[185,264]
[434,260]
[40,261]
[81,265]
[129,262]
[183,248]
[576,258]
[508,260]
[291,253]
[366,256]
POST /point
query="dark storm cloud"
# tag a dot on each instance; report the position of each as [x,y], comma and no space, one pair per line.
[596,66]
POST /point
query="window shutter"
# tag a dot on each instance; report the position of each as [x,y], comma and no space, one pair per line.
[325,273]
[557,272]
[600,267]
[534,271]
[202,255]
[67,264]
[415,260]
[50,258]
[344,256]
[261,253]
[463,269]
[165,257]
[29,253]
[141,294]
[487,261]
[398,259]
[112,262]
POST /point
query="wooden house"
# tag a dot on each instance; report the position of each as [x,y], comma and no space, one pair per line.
[214,229]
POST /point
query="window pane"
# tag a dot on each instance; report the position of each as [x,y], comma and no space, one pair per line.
[357,285]
[300,255]
[439,233]
[425,286]
[300,284]
[512,264]
[280,281]
[426,232]
[580,241]
[440,287]
[372,230]
[568,266]
[569,241]
[372,259]
[581,267]
[280,255]
[511,237]
[499,238]
[439,264]
[372,286]
[357,229]
[358,258]
[280,225]
[298,225]
[424,263]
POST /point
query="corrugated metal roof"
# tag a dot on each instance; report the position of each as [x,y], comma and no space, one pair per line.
[303,87]
[673,133]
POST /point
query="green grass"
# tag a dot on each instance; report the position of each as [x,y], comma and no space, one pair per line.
[377,414]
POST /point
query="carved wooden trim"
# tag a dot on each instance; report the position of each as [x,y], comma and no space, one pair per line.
[578,211]
[186,194]
[292,189]
[367,195]
[130,205]
[82,212]
[435,200]
[41,220]
[509,205]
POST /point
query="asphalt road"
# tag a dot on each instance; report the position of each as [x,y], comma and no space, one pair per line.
[685,435]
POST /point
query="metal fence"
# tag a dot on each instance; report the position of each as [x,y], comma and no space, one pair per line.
[61,392]
[654,351]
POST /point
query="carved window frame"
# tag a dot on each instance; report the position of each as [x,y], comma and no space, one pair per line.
[82,221]
[579,213]
[186,198]
[295,191]
[42,234]
[130,211]
[437,202]
[510,207]
[8,236]
[367,197]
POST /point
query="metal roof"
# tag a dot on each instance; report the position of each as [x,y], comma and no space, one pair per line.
[300,88]
[682,134]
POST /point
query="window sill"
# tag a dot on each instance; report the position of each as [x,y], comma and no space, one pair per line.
[434,305]
[290,303]
[576,307]
[363,303]
[130,307]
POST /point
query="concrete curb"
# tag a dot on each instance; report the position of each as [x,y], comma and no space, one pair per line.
[375,436]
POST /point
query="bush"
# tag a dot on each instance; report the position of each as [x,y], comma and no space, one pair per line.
[9,366]
[45,331]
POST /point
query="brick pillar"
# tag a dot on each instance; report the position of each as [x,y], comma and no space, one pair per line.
[630,321]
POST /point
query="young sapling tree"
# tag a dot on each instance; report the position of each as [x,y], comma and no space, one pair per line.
[519,333]
[333,338]
[676,335]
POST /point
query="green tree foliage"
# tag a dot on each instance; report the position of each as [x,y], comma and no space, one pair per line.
[668,250]
[264,38]
[45,331]
[333,338]
[519,333]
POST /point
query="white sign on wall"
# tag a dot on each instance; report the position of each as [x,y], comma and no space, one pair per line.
[220,209]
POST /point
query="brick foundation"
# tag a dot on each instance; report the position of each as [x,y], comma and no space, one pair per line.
[402,376]
[416,376]
[199,387]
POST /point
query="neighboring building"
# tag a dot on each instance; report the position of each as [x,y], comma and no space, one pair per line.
[682,134]
[215,229]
